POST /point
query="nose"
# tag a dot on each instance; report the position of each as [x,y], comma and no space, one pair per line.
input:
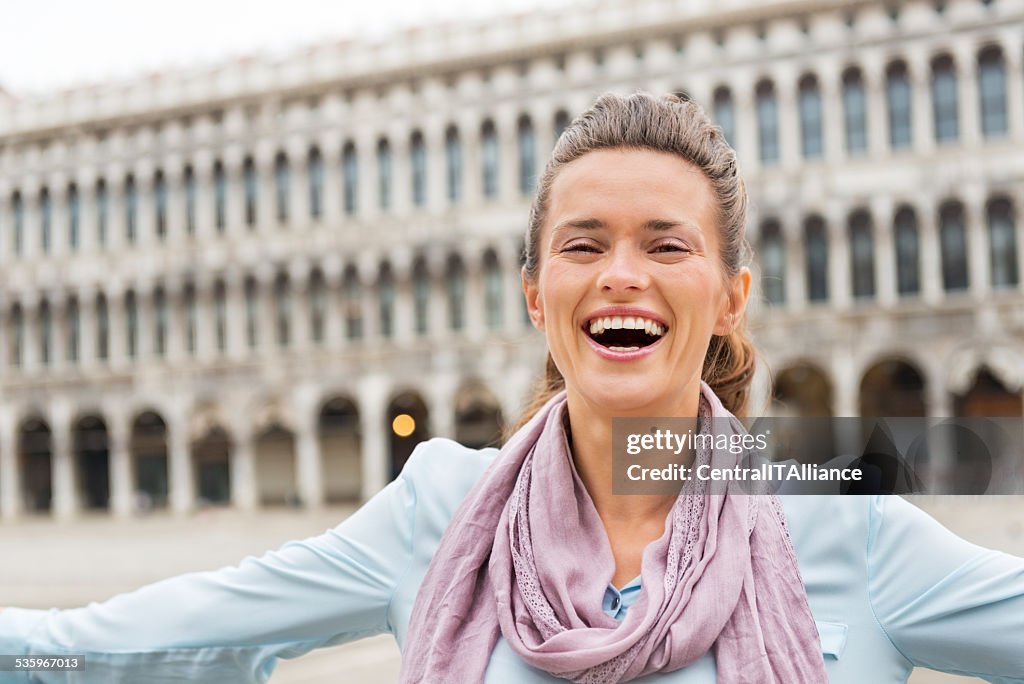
[625,269]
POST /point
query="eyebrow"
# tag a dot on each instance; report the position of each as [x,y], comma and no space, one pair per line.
[653,224]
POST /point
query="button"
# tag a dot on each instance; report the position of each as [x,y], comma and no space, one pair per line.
[615,603]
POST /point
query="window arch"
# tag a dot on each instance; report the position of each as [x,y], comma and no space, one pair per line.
[386,300]
[131,324]
[250,182]
[455,276]
[74,217]
[18,213]
[953,243]
[74,331]
[992,91]
[191,319]
[283,310]
[493,291]
[908,260]
[102,328]
[725,115]
[945,99]
[421,296]
[160,204]
[160,322]
[282,186]
[527,155]
[315,169]
[350,178]
[220,315]
[816,241]
[220,197]
[561,123]
[862,254]
[45,220]
[45,333]
[17,340]
[810,118]
[855,112]
[899,103]
[252,312]
[1002,241]
[102,212]
[453,163]
[317,307]
[773,262]
[489,158]
[353,304]
[418,162]
[384,174]
[191,200]
[767,123]
[131,210]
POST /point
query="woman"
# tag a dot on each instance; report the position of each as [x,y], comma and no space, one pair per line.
[522,566]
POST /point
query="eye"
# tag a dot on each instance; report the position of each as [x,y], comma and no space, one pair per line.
[672,247]
[580,247]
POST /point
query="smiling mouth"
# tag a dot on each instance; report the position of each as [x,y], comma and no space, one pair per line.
[624,333]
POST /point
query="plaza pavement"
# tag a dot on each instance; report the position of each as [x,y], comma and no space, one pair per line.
[49,563]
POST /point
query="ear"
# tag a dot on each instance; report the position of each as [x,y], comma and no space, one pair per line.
[533,302]
[735,303]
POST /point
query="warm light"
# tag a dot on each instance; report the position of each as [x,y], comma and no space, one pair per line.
[403,425]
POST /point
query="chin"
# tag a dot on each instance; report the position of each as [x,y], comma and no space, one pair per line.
[613,396]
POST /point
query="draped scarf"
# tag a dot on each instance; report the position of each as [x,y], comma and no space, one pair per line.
[526,557]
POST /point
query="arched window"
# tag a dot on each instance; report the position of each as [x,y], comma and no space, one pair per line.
[489,159]
[191,320]
[220,198]
[316,183]
[131,210]
[862,255]
[282,186]
[725,115]
[252,313]
[767,123]
[220,315]
[317,307]
[251,183]
[773,263]
[386,301]
[907,253]
[17,341]
[992,91]
[131,324]
[527,155]
[421,296]
[45,333]
[191,200]
[45,219]
[455,276]
[1002,241]
[561,123]
[492,291]
[102,329]
[283,300]
[350,178]
[953,242]
[384,174]
[74,216]
[353,304]
[102,212]
[816,242]
[418,161]
[160,321]
[945,100]
[160,205]
[74,331]
[453,163]
[810,118]
[18,211]
[899,98]
[855,112]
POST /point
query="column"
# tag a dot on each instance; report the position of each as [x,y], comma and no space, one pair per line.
[298,191]
[506,123]
[968,104]
[470,123]
[373,390]
[121,472]
[10,478]
[796,259]
[931,261]
[266,341]
[145,206]
[921,83]
[298,282]
[182,491]
[401,170]
[87,209]
[65,500]
[235,309]
[979,277]
[401,270]
[512,298]
[368,271]
[334,321]
[441,402]
[58,332]
[839,257]
[434,140]
[878,120]
[307,447]
[266,208]
[788,118]
[206,336]
[885,250]
[30,242]
[437,317]
[87,327]
[118,351]
[243,466]
[1012,48]
[333,199]
[30,348]
[59,215]
[368,203]
[174,178]
[746,143]
[833,123]
[472,261]
[233,160]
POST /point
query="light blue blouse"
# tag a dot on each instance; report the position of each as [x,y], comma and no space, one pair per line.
[890,589]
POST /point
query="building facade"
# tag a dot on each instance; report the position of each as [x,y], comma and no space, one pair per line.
[263,283]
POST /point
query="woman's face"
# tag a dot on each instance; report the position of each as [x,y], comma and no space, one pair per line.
[630,285]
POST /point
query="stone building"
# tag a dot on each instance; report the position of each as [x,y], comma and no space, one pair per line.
[264,282]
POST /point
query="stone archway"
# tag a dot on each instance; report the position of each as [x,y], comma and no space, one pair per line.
[35,459]
[478,420]
[276,483]
[149,458]
[91,445]
[802,389]
[892,387]
[340,450]
[211,466]
[407,426]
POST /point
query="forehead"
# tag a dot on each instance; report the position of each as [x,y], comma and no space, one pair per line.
[626,183]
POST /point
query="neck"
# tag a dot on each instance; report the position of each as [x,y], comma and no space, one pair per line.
[590,439]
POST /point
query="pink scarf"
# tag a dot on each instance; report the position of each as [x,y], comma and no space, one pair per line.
[526,557]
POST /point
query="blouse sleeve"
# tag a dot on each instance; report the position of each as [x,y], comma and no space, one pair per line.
[230,625]
[945,603]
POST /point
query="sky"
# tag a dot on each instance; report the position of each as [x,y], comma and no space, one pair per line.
[50,45]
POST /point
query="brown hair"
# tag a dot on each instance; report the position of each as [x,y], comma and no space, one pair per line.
[678,126]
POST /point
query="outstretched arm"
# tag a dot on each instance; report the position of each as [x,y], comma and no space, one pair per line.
[945,603]
[231,625]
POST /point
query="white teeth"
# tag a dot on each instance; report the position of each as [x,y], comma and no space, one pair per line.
[616,323]
[599,325]
[624,349]
[647,326]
